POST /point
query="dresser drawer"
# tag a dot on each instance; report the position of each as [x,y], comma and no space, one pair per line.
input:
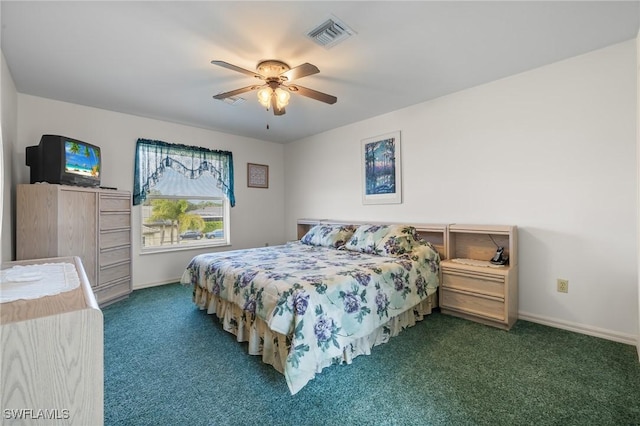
[114,291]
[114,203]
[115,255]
[472,304]
[115,238]
[114,221]
[477,283]
[114,272]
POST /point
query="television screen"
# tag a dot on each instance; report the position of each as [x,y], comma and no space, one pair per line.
[81,159]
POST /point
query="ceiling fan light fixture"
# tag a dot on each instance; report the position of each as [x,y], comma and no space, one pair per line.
[266,94]
[282,98]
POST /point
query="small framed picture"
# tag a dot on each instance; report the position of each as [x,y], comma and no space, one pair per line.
[381,169]
[257,175]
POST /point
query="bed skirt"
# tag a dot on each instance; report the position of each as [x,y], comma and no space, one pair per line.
[274,347]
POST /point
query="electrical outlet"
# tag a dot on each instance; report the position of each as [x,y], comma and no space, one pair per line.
[563,285]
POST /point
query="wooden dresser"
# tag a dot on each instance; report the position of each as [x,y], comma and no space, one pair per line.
[92,223]
[478,290]
[52,356]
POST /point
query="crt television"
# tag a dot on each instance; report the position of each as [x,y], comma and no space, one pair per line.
[63,160]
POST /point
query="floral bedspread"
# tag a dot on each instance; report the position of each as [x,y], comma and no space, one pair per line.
[321,297]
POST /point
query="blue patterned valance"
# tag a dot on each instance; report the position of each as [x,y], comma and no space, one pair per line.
[157,159]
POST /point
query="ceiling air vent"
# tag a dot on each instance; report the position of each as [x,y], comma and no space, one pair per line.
[233,100]
[330,33]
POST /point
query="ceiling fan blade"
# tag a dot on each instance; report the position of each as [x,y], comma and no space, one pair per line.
[238,69]
[313,94]
[274,107]
[300,71]
[236,92]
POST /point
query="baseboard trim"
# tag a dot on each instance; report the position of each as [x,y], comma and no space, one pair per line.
[628,339]
[156,284]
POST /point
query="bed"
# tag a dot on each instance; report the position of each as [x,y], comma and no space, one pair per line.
[332,295]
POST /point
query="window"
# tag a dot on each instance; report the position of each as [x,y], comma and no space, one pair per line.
[185,194]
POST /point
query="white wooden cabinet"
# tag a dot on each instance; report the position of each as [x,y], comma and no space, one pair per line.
[480,291]
[52,361]
[92,223]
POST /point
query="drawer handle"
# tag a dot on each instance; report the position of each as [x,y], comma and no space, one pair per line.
[116,264]
[476,313]
[113,229]
[114,248]
[480,295]
[496,278]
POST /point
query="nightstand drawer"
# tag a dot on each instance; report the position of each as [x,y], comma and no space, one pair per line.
[473,304]
[492,285]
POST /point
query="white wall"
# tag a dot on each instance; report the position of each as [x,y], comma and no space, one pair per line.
[9,110]
[552,150]
[256,219]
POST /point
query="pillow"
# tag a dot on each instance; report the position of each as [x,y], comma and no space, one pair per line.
[328,235]
[400,239]
[366,239]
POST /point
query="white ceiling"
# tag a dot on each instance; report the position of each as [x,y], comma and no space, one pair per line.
[152,59]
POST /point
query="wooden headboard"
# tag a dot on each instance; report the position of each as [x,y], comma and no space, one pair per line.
[436,234]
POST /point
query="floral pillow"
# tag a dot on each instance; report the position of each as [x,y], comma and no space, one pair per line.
[328,235]
[367,239]
[400,239]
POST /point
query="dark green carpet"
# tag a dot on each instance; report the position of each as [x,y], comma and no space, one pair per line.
[167,363]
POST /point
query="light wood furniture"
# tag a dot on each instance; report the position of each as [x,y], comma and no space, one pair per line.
[52,356]
[436,234]
[92,223]
[486,294]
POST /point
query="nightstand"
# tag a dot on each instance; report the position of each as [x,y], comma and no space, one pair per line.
[471,286]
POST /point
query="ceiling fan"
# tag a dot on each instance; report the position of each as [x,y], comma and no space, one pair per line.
[274,92]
